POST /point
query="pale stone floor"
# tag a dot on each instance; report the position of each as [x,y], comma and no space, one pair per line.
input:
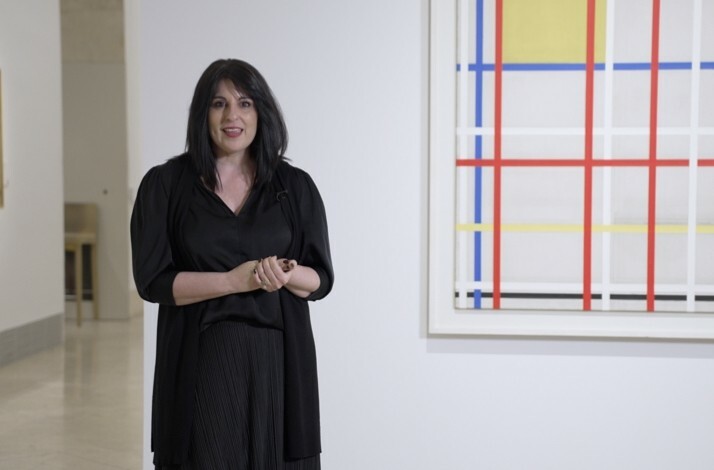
[77,406]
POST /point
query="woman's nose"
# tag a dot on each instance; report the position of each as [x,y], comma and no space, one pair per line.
[231,111]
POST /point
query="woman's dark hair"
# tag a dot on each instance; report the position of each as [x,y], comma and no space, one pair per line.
[271,139]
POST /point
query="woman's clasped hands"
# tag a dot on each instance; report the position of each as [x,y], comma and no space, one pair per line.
[272,273]
[269,274]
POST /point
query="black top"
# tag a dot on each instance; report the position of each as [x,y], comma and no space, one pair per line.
[218,240]
[178,225]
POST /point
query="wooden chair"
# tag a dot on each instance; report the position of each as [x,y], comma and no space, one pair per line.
[80,229]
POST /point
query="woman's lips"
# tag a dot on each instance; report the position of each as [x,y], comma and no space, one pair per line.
[233,131]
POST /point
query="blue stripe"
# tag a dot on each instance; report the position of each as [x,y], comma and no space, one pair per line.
[662,66]
[479,150]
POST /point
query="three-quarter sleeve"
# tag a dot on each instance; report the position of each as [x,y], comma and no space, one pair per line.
[315,244]
[152,258]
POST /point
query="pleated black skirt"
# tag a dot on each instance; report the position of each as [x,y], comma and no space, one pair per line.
[238,421]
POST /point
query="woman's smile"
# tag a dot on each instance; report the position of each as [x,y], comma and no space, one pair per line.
[233,132]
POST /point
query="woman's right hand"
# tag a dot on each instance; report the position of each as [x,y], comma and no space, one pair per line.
[242,278]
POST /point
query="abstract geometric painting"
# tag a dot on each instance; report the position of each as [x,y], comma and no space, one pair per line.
[573,141]
[585,155]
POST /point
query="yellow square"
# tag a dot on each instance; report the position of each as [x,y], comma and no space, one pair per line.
[550,31]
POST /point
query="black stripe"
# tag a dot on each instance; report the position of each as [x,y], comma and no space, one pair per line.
[557,296]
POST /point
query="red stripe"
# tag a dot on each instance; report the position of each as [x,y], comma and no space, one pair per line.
[588,196]
[498,69]
[572,162]
[652,212]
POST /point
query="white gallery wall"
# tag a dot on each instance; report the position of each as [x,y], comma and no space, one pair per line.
[31,221]
[352,80]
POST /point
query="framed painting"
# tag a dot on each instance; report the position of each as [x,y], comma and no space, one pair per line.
[571,168]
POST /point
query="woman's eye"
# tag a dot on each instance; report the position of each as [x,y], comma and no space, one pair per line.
[217,104]
[246,104]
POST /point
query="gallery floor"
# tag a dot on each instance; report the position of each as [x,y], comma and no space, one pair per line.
[77,406]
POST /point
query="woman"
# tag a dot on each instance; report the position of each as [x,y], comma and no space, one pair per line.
[231,241]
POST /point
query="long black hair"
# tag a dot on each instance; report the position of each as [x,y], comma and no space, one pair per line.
[271,139]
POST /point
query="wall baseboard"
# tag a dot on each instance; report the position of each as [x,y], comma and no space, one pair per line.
[25,340]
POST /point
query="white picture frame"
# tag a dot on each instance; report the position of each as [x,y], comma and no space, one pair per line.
[443,317]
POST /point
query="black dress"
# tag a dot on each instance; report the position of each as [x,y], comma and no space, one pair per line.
[228,355]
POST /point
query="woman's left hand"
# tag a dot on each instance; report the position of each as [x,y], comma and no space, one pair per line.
[272,273]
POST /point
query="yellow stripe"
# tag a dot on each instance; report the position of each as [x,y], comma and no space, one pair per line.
[565,228]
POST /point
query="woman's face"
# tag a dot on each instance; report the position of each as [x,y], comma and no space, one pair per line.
[232,121]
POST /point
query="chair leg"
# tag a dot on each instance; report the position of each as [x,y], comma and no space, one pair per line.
[95,282]
[78,282]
